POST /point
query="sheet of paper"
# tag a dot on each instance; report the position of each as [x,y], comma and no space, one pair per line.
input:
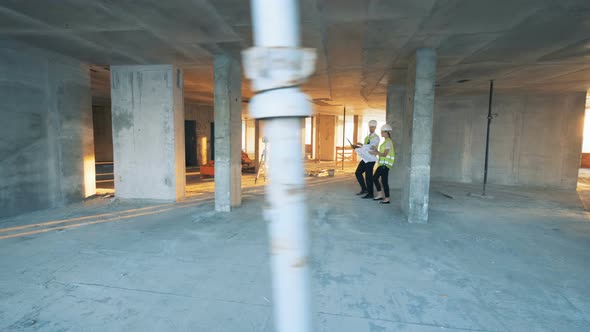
[363,152]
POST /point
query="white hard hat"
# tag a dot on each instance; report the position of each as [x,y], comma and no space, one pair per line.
[372,123]
[386,127]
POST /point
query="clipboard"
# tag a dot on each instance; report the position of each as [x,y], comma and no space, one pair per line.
[351,145]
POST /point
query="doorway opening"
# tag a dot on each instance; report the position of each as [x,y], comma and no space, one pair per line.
[190,142]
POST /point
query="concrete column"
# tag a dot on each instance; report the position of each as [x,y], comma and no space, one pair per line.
[148,132]
[314,138]
[251,137]
[303,139]
[395,109]
[417,137]
[228,133]
[326,135]
[257,141]
[355,134]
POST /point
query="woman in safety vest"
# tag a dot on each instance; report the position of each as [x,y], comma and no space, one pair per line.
[386,155]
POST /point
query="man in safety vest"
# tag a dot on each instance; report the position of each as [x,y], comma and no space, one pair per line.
[366,166]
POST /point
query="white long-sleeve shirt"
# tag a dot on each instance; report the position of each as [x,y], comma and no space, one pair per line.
[374,142]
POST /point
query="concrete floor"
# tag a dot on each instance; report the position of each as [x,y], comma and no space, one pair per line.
[518,262]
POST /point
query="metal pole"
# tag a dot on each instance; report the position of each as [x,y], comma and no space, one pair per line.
[277,66]
[485,171]
[343,135]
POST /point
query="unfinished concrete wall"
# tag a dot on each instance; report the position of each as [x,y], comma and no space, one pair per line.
[203,115]
[46,140]
[103,133]
[535,140]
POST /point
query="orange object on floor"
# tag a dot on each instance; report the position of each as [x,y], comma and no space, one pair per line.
[208,170]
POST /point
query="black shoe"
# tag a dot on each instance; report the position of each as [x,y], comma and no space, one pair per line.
[382,202]
[367,196]
[378,199]
[362,192]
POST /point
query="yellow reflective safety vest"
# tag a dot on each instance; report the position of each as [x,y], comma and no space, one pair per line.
[390,158]
[370,137]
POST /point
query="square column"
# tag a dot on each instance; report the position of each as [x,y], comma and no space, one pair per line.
[257,139]
[326,137]
[314,138]
[395,109]
[228,133]
[148,132]
[303,131]
[355,134]
[417,137]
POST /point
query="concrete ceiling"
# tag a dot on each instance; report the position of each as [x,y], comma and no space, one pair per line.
[363,45]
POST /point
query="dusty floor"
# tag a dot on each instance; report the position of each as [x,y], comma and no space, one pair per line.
[518,262]
[196,185]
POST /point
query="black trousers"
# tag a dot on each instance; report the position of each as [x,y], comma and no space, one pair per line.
[383,174]
[367,182]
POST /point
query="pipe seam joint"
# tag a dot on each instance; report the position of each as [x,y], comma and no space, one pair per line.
[276,73]
[272,68]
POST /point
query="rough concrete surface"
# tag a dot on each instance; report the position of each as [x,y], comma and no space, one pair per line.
[228,132]
[417,135]
[148,132]
[535,139]
[515,263]
[361,44]
[394,115]
[46,141]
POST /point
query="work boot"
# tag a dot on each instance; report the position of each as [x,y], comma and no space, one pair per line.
[362,192]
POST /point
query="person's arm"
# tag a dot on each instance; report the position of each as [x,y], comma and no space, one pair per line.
[385,151]
[377,153]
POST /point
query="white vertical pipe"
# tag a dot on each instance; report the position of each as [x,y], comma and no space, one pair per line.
[276,24]
[288,229]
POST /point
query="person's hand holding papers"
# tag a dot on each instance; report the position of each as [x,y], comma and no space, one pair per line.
[365,152]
